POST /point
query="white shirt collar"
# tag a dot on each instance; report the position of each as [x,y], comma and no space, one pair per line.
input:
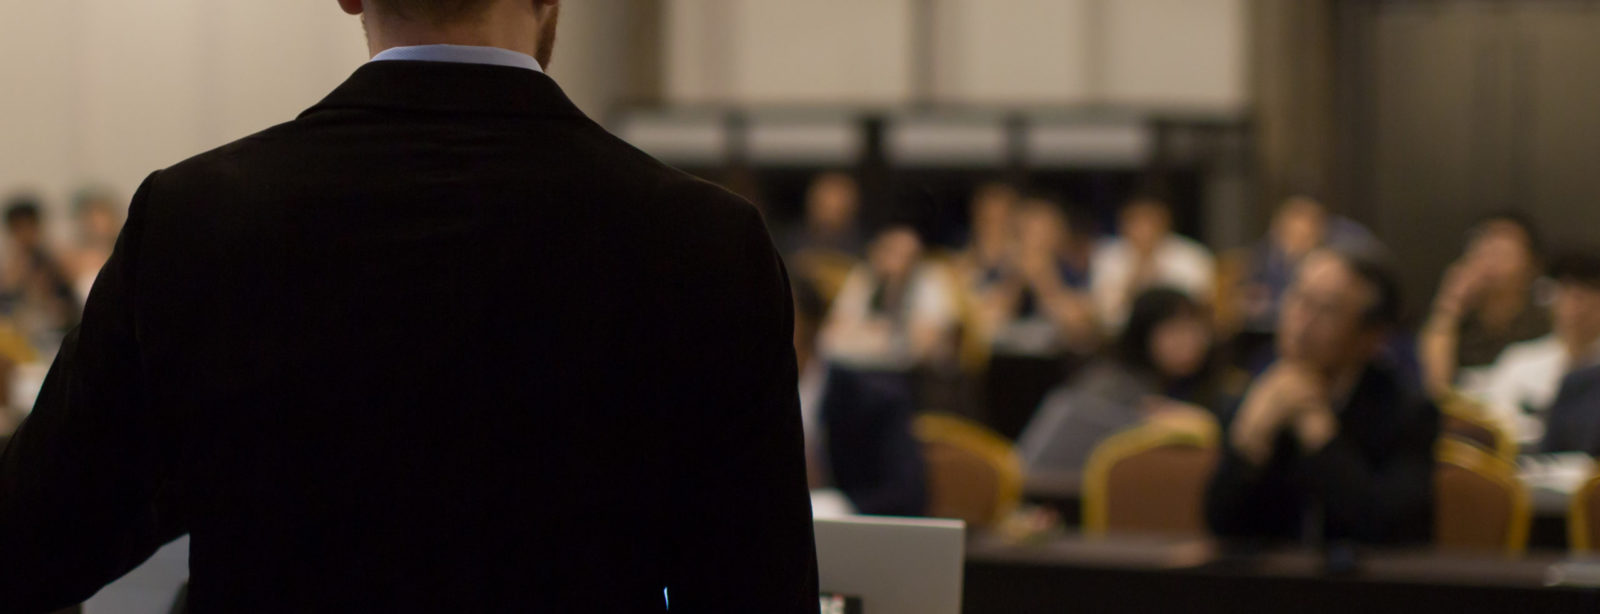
[460,54]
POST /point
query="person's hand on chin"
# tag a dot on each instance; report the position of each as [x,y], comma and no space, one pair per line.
[1287,395]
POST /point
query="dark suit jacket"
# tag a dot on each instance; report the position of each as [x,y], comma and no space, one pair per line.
[441,344]
[1373,483]
[873,457]
[1573,424]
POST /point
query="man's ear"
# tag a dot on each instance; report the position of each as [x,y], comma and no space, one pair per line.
[352,7]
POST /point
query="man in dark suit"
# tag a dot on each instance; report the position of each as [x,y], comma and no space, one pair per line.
[1329,446]
[441,344]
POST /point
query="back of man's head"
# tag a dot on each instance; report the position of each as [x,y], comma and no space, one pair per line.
[436,12]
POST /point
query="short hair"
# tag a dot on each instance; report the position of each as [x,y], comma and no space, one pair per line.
[1387,304]
[1577,267]
[23,207]
[435,12]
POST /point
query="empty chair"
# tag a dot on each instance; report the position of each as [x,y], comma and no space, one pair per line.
[1150,479]
[973,474]
[824,268]
[1479,504]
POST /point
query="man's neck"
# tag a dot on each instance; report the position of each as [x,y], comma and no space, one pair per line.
[388,32]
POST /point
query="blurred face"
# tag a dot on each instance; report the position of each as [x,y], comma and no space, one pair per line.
[991,213]
[894,253]
[1040,229]
[1502,254]
[1321,323]
[1575,315]
[832,202]
[1145,224]
[24,231]
[1300,226]
[98,222]
[1179,345]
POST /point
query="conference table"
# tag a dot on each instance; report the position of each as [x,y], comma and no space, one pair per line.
[1075,573]
[1549,499]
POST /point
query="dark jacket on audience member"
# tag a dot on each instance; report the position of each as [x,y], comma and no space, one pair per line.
[1573,424]
[441,344]
[872,456]
[1373,483]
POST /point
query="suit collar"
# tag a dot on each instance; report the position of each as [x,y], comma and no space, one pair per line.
[445,87]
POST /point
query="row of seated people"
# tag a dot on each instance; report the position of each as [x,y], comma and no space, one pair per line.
[1327,422]
[43,285]
[1034,294]
[1332,418]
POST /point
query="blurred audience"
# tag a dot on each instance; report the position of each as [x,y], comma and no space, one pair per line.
[98,219]
[1033,312]
[895,312]
[1147,253]
[832,210]
[1034,301]
[992,231]
[857,425]
[36,292]
[1301,224]
[1160,368]
[1329,445]
[1574,414]
[1485,303]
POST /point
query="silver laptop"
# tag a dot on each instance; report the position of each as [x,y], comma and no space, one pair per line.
[895,565]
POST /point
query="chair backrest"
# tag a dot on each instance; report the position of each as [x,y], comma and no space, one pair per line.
[1469,420]
[826,269]
[973,473]
[1479,504]
[1583,524]
[1150,479]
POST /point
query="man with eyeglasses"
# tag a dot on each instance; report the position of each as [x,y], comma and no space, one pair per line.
[1329,444]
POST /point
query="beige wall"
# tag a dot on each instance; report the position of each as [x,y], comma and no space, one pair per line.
[767,51]
[109,90]
[1175,52]
[115,89]
[1146,52]
[1012,51]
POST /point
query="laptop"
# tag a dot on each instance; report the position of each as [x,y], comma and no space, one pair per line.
[893,565]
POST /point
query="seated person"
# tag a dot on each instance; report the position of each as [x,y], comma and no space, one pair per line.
[1573,423]
[895,311]
[833,202]
[1301,225]
[1035,300]
[990,242]
[1485,303]
[1034,314]
[1147,253]
[857,426]
[1328,444]
[1158,369]
[36,293]
[1519,387]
